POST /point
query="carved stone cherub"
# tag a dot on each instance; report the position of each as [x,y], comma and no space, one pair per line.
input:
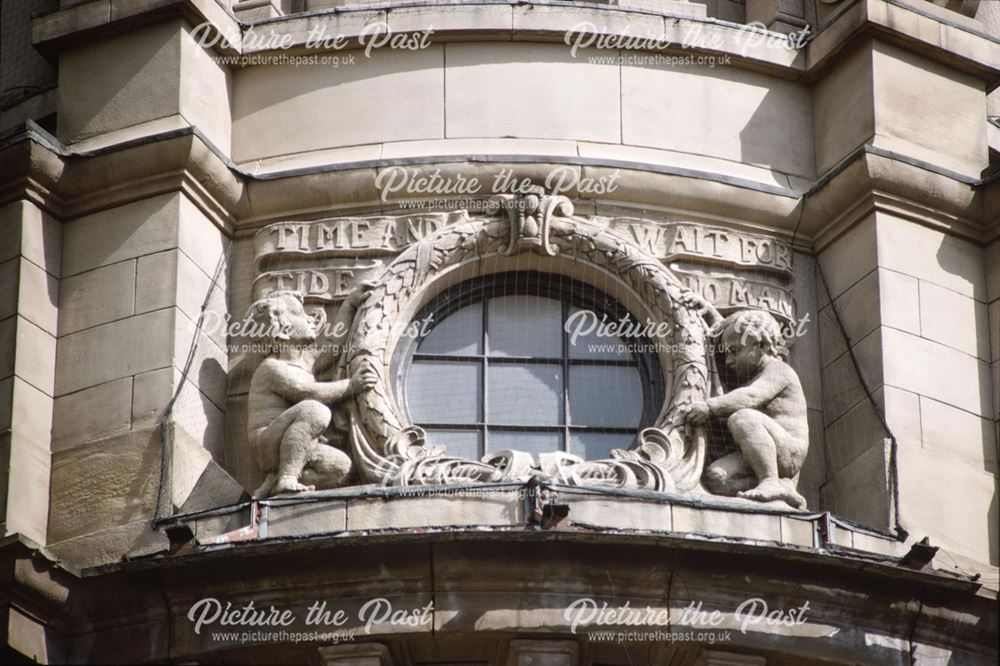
[289,410]
[766,415]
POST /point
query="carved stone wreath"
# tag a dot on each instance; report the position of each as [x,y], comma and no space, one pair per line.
[669,456]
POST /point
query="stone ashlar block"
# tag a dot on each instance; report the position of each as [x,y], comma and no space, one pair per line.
[97,297]
[104,484]
[434,511]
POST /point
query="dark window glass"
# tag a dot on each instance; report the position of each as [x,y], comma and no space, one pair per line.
[494,366]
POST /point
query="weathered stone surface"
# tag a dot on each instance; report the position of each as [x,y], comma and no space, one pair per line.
[31,417]
[151,391]
[456,509]
[475,71]
[860,491]
[750,113]
[35,356]
[326,517]
[110,85]
[878,544]
[848,259]
[857,310]
[126,232]
[104,484]
[948,131]
[168,279]
[29,636]
[931,255]
[902,410]
[991,257]
[618,513]
[756,526]
[199,431]
[994,324]
[814,470]
[806,350]
[842,385]
[959,434]
[97,297]
[213,488]
[359,110]
[955,320]
[92,413]
[900,301]
[136,539]
[208,370]
[104,353]
[28,456]
[38,297]
[797,532]
[205,93]
[202,241]
[844,109]
[213,526]
[852,434]
[969,509]
[944,374]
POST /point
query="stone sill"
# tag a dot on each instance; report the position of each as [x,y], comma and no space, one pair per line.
[370,511]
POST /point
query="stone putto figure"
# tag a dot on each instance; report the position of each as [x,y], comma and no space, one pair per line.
[289,409]
[766,414]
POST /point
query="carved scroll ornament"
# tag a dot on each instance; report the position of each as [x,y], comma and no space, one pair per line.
[669,456]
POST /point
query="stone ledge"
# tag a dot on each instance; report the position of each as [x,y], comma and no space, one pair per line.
[367,510]
[72,188]
[502,582]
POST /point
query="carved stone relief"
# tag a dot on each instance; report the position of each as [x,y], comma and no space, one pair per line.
[684,274]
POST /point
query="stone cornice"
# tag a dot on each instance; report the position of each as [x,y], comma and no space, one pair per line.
[70,184]
[953,40]
[936,35]
[543,571]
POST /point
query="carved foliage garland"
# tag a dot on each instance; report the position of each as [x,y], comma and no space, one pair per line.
[669,456]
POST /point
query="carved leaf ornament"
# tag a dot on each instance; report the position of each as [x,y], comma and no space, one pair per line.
[669,456]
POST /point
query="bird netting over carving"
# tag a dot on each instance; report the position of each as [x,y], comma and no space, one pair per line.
[503,337]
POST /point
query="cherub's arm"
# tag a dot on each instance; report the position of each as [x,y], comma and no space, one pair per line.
[295,385]
[703,307]
[334,345]
[768,384]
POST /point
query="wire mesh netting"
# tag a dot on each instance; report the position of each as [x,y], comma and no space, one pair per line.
[23,71]
[530,351]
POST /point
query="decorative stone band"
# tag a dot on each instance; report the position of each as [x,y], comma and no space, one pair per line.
[325,259]
[348,236]
[669,456]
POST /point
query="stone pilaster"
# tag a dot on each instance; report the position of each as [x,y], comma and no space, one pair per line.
[134,281]
[29,292]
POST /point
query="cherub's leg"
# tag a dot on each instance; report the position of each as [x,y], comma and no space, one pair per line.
[265,488]
[758,436]
[309,419]
[328,468]
[729,475]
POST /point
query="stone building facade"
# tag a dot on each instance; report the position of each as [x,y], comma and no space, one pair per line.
[177,488]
